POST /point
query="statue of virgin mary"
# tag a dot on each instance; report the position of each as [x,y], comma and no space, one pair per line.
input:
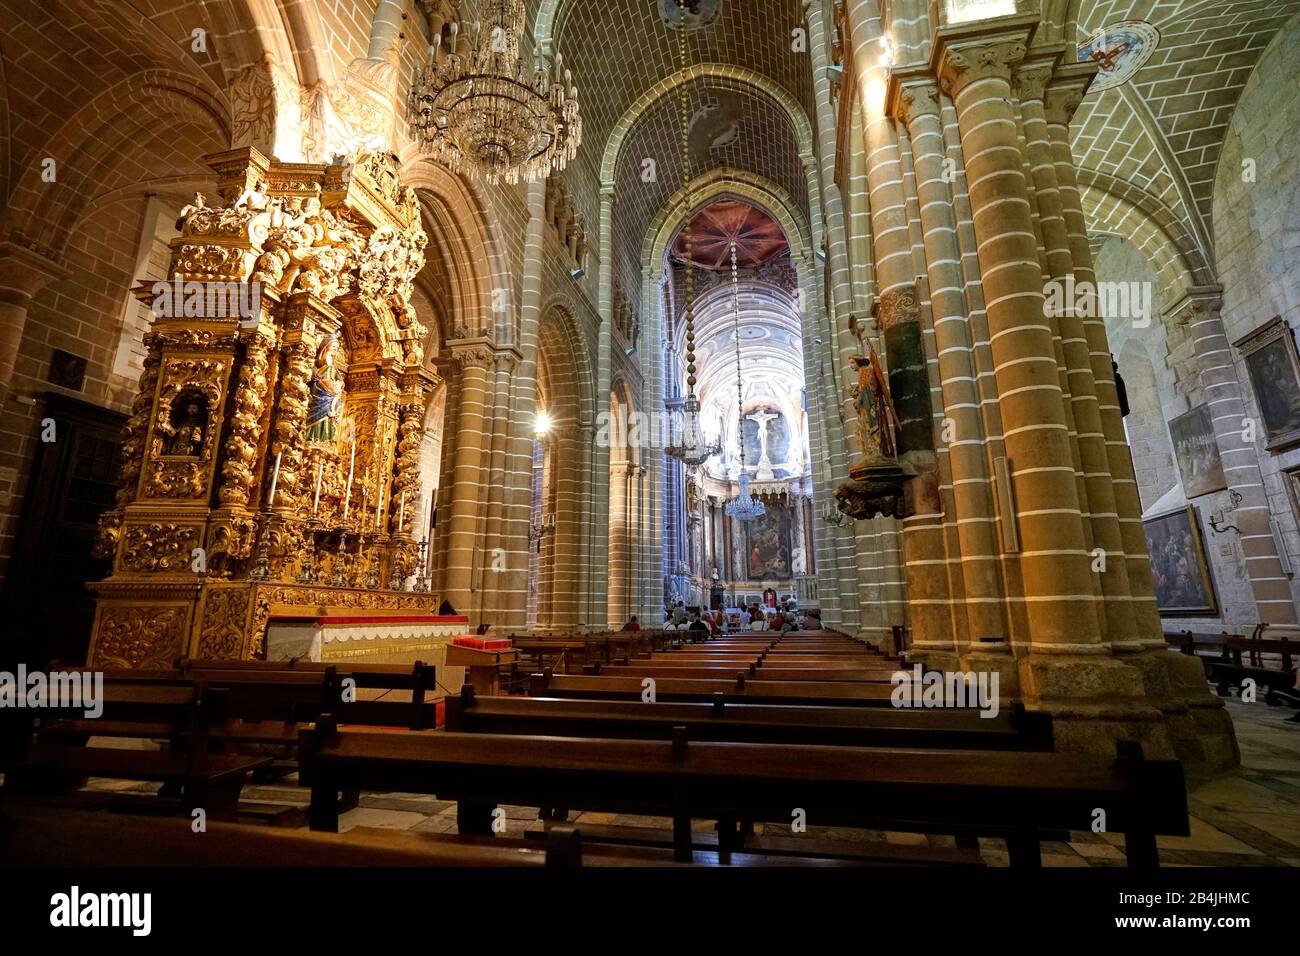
[326,396]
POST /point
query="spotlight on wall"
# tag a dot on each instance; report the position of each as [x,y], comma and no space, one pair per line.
[577,272]
[542,423]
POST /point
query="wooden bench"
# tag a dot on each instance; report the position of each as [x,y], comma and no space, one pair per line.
[1246,662]
[738,687]
[34,836]
[723,672]
[1015,796]
[58,764]
[1012,729]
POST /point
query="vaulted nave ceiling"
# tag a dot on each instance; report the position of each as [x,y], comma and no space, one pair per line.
[1151,146]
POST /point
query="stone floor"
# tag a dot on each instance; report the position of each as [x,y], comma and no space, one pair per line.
[1250,817]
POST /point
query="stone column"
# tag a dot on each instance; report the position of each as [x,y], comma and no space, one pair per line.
[976,73]
[1117,620]
[838,545]
[1270,585]
[1068,670]
[474,356]
[1061,99]
[597,558]
[917,104]
[650,356]
[496,489]
[923,532]
[512,603]
[24,272]
[1170,678]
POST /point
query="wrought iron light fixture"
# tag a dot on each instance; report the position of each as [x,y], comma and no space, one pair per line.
[488,111]
[744,507]
[693,450]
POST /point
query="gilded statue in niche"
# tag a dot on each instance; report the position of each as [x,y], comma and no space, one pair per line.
[326,400]
[187,426]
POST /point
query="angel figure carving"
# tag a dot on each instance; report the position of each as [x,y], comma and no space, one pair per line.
[875,412]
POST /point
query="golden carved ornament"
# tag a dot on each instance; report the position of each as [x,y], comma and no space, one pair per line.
[159,546]
[245,424]
[291,422]
[176,476]
[140,637]
[225,623]
[208,263]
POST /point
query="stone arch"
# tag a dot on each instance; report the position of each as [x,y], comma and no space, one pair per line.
[723,182]
[1108,212]
[458,224]
[46,213]
[564,396]
[1148,433]
[799,121]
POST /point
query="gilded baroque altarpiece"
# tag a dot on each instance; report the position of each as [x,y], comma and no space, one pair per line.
[270,461]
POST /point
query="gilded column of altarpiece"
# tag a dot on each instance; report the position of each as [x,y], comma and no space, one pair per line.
[270,459]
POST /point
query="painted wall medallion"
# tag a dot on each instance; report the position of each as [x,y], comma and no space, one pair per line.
[1119,50]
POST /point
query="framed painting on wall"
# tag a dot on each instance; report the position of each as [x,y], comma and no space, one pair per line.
[1180,573]
[1274,368]
[1197,453]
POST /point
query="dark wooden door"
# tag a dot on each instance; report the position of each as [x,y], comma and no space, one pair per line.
[73,480]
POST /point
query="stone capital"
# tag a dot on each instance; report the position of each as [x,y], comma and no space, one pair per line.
[1029,80]
[25,269]
[471,353]
[1068,87]
[912,93]
[1196,304]
[965,53]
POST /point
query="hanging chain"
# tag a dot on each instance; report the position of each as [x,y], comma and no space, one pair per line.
[740,394]
[686,182]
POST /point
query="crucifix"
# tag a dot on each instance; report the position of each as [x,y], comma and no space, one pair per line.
[761,418]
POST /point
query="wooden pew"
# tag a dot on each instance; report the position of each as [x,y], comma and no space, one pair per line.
[58,764]
[722,672]
[1247,663]
[34,836]
[739,688]
[1013,729]
[1015,796]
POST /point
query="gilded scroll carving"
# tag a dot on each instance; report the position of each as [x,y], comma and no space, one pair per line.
[145,637]
[159,546]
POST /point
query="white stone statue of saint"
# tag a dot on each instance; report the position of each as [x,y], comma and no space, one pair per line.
[798,562]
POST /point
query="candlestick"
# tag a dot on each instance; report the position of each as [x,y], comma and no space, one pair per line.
[347,490]
[401,512]
[379,508]
[315,501]
[275,479]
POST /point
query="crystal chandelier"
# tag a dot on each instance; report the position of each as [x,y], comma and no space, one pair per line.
[744,506]
[693,450]
[488,111]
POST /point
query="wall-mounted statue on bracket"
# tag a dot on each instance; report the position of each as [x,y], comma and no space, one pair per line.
[875,411]
[326,395]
